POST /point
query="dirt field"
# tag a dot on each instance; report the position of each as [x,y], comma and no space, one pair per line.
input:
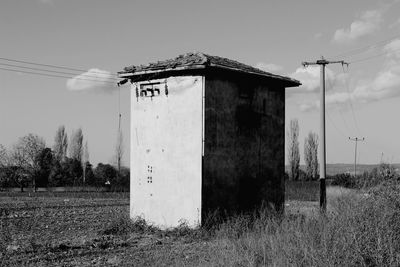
[62,230]
[87,229]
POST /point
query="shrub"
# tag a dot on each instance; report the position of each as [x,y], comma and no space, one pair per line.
[385,172]
[343,179]
[122,224]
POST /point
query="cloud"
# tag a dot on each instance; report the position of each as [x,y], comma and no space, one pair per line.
[94,79]
[46,2]
[395,24]
[269,67]
[310,79]
[317,36]
[367,24]
[393,49]
[386,84]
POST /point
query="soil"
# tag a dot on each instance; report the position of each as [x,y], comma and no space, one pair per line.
[54,231]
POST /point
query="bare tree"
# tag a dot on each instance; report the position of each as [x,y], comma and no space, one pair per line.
[60,144]
[23,157]
[311,155]
[293,150]
[76,145]
[3,156]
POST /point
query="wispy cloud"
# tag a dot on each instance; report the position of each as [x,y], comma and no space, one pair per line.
[94,79]
[317,36]
[385,84]
[46,2]
[269,67]
[310,79]
[395,24]
[366,24]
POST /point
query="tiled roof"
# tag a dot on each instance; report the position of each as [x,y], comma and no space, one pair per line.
[191,60]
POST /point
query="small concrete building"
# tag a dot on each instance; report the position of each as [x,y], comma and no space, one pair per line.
[207,133]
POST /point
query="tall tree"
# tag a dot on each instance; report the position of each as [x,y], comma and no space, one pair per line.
[85,160]
[293,149]
[24,155]
[311,155]
[76,145]
[60,144]
[4,160]
[44,160]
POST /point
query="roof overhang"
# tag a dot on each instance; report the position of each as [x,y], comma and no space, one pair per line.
[288,82]
[146,72]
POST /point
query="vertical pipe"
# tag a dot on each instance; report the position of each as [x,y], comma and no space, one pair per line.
[322,174]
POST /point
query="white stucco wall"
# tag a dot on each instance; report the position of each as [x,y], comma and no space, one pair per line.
[166,152]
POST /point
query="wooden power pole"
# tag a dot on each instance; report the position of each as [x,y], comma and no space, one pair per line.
[322,166]
[356,140]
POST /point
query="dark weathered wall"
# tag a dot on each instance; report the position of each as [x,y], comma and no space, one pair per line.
[243,164]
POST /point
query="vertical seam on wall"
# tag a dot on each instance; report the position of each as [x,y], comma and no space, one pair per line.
[203,115]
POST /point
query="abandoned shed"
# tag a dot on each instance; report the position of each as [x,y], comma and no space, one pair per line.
[207,133]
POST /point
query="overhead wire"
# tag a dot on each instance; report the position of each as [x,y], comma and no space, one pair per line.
[61,72]
[344,121]
[49,72]
[351,103]
[361,50]
[50,66]
[53,75]
[334,125]
[374,56]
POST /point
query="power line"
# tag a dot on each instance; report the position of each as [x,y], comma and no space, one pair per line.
[356,140]
[351,104]
[374,56]
[361,49]
[334,125]
[51,75]
[60,72]
[49,65]
[341,115]
[329,117]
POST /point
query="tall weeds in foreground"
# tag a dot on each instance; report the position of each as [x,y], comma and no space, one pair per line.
[357,230]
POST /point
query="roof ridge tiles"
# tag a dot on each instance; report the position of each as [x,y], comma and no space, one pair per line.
[192,59]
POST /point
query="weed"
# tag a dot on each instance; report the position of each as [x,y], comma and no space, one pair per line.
[122,224]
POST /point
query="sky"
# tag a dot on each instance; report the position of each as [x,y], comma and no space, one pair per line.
[97,38]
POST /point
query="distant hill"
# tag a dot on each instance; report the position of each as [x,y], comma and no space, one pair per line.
[332,169]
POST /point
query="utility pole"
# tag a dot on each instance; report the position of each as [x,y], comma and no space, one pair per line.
[356,140]
[119,138]
[322,174]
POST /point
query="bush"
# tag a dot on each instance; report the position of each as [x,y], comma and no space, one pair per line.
[344,180]
[122,224]
[384,173]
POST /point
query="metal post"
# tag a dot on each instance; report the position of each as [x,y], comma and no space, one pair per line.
[355,160]
[322,173]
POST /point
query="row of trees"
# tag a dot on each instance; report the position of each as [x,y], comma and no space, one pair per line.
[30,163]
[310,154]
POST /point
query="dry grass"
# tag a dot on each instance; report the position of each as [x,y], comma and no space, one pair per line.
[360,229]
[357,231]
